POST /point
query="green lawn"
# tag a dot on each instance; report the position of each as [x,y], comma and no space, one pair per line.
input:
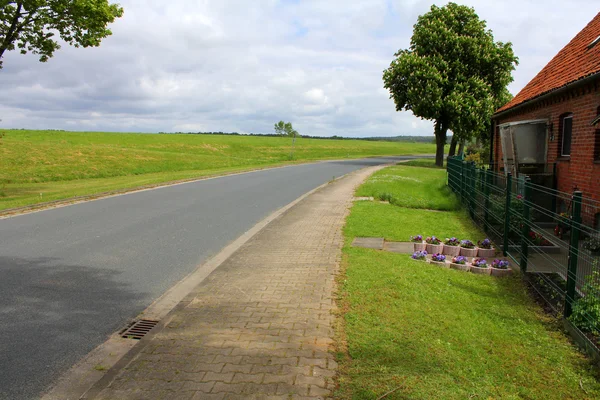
[434,333]
[38,166]
[422,162]
[413,187]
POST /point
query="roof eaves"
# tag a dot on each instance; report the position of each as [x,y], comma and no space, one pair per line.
[580,81]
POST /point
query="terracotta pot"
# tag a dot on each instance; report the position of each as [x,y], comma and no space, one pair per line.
[434,248]
[451,250]
[468,252]
[460,267]
[486,253]
[480,271]
[419,246]
[500,272]
[442,264]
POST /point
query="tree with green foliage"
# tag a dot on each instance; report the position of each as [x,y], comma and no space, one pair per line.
[286,129]
[452,73]
[31,25]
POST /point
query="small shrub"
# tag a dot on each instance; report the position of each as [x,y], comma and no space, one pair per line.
[586,310]
[592,244]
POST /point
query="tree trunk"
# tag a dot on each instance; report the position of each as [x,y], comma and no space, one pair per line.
[440,141]
[461,148]
[453,142]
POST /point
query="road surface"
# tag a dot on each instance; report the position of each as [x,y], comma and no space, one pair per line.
[72,276]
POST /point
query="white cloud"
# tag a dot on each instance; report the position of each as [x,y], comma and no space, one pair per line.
[241,66]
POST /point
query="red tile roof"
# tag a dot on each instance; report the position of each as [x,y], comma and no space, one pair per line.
[574,62]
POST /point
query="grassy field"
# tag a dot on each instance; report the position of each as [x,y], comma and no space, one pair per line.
[402,187]
[424,332]
[422,162]
[38,166]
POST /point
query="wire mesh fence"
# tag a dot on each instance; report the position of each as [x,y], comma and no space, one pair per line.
[551,236]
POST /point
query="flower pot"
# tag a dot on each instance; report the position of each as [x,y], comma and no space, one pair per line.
[442,264]
[480,271]
[485,253]
[434,248]
[419,246]
[468,252]
[460,267]
[500,271]
[451,250]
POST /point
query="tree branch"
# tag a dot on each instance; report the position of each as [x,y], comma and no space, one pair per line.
[8,39]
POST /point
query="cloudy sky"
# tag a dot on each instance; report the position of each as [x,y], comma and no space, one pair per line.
[241,65]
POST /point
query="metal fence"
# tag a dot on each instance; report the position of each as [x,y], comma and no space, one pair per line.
[550,235]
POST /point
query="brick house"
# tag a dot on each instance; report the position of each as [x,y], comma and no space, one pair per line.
[555,120]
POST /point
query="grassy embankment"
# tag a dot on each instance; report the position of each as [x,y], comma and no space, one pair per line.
[39,166]
[433,333]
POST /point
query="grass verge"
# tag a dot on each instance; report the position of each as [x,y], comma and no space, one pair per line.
[413,187]
[40,166]
[423,332]
[422,162]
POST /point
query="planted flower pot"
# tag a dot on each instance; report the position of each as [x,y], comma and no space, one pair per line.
[460,267]
[468,252]
[434,248]
[485,249]
[500,271]
[480,270]
[419,246]
[485,253]
[451,250]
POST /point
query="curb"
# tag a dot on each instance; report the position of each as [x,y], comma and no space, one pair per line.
[85,381]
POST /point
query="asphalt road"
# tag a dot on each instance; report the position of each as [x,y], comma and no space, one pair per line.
[71,276]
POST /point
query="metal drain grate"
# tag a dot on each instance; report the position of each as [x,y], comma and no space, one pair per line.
[138,329]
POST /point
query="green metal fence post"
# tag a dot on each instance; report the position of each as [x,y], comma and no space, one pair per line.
[526,227]
[573,253]
[462,180]
[486,192]
[507,214]
[472,190]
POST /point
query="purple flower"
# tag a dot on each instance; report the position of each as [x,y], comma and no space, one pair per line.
[500,264]
[438,257]
[459,260]
[416,238]
[419,255]
[433,240]
[479,262]
[467,244]
[452,242]
[485,243]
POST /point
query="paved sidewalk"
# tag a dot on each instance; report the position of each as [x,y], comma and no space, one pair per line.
[260,326]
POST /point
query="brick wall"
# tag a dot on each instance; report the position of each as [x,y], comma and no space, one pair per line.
[580,169]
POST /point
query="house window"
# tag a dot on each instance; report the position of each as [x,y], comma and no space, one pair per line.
[566,135]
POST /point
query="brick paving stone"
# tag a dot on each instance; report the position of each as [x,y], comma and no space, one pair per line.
[261,325]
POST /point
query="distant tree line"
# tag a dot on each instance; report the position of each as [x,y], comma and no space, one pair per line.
[410,139]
